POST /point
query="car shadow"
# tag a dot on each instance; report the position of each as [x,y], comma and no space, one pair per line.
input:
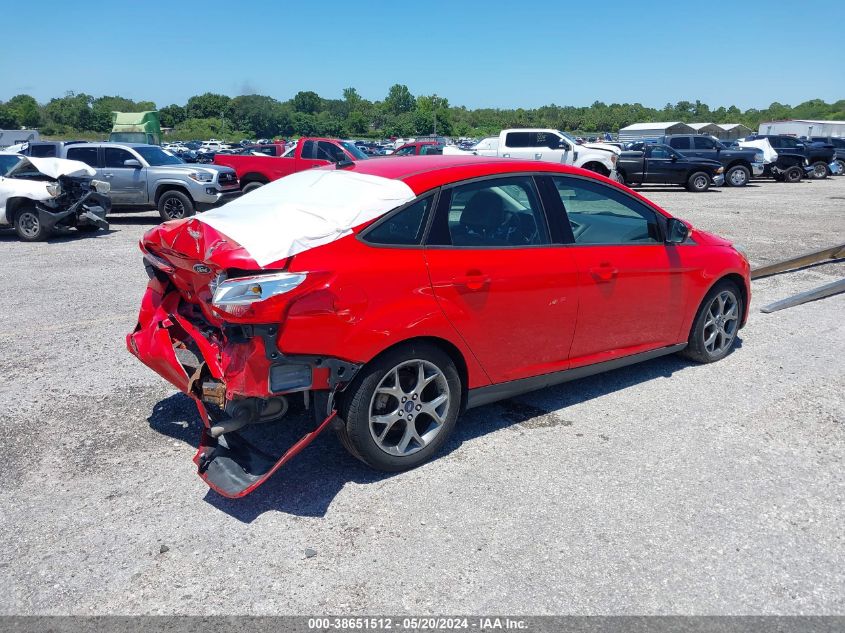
[308,484]
[675,189]
[9,235]
[129,219]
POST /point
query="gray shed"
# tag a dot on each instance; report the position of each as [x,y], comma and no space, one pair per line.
[639,131]
[804,127]
[732,131]
[706,128]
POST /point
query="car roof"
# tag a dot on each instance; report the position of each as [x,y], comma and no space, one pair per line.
[422,173]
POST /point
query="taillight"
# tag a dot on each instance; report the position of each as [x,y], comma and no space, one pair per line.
[236,296]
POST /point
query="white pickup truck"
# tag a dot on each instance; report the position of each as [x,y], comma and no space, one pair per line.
[547,145]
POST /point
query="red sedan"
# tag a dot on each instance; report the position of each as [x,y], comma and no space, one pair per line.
[388,296]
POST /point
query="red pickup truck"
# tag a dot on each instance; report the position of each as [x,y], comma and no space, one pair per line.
[255,171]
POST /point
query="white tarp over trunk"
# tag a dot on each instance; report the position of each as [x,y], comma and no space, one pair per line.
[769,153]
[55,167]
[305,210]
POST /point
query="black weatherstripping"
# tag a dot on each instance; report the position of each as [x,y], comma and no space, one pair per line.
[493,393]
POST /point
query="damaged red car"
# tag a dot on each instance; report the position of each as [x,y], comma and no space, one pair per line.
[386,297]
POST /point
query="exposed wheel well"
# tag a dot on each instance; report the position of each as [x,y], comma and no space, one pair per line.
[254,177]
[450,349]
[596,167]
[13,205]
[743,291]
[740,163]
[165,188]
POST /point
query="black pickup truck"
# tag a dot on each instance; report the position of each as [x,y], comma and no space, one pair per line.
[645,163]
[818,155]
[838,147]
[739,164]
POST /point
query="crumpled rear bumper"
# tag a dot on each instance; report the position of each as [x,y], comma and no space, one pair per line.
[229,464]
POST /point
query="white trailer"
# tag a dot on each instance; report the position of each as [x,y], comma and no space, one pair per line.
[804,127]
[15,137]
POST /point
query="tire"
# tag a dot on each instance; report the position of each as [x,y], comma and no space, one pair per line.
[793,174]
[367,406]
[737,176]
[251,186]
[820,170]
[175,205]
[698,182]
[841,166]
[29,227]
[711,338]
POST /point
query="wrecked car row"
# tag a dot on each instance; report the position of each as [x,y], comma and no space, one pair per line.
[43,196]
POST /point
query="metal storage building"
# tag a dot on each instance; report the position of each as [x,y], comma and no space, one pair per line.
[803,127]
[731,131]
[707,128]
[652,130]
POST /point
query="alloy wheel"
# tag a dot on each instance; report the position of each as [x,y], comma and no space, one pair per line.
[738,178]
[721,323]
[409,406]
[819,170]
[700,182]
[174,209]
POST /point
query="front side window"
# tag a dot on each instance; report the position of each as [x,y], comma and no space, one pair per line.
[330,151]
[599,214]
[403,228]
[87,155]
[496,213]
[662,152]
[428,150]
[703,142]
[114,157]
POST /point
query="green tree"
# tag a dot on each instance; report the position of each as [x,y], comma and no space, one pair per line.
[25,110]
[262,115]
[307,102]
[399,100]
[72,111]
[8,120]
[207,105]
[172,115]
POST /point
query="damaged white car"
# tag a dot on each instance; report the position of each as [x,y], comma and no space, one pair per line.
[43,196]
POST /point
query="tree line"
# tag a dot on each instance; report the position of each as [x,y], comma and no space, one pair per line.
[400,113]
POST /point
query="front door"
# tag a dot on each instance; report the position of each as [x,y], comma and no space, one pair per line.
[664,165]
[128,184]
[632,285]
[511,295]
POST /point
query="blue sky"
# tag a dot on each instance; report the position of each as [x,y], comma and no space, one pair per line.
[494,53]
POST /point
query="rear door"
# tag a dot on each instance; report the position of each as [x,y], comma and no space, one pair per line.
[632,286]
[510,292]
[128,184]
[704,147]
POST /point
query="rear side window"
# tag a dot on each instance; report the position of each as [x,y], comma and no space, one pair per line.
[42,150]
[428,150]
[87,155]
[403,228]
[496,213]
[679,143]
[599,214]
[405,151]
[518,139]
[309,150]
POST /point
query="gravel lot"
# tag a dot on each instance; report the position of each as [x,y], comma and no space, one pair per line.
[660,488]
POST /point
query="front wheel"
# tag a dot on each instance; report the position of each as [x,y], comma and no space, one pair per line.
[793,174]
[716,324]
[738,176]
[401,408]
[29,226]
[251,186]
[698,182]
[175,205]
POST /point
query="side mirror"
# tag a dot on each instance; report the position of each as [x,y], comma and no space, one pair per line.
[674,158]
[677,231]
[132,163]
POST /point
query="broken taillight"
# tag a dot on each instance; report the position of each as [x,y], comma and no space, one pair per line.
[236,296]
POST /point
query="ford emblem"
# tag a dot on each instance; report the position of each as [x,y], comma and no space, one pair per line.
[202,269]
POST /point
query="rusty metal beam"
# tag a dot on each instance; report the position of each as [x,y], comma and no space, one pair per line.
[826,254]
[828,290]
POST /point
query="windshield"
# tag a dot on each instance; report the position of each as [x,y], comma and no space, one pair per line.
[568,136]
[7,162]
[156,156]
[354,150]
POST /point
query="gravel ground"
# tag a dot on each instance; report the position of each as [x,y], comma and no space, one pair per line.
[660,488]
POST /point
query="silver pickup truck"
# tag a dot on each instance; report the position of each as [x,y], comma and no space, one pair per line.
[145,176]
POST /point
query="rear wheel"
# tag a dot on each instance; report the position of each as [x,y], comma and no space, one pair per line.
[698,182]
[29,227]
[738,176]
[841,163]
[175,205]
[401,408]
[716,324]
[820,171]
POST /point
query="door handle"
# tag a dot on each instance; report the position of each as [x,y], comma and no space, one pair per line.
[108,175]
[473,280]
[604,273]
